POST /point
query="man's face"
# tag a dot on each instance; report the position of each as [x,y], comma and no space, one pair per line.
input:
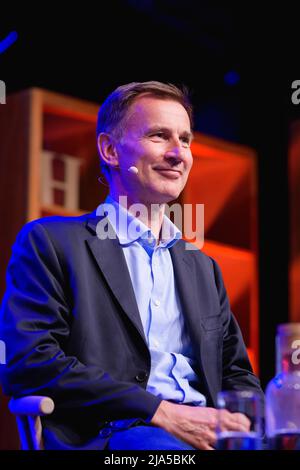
[156,139]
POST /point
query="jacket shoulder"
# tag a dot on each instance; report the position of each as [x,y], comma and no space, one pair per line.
[53,223]
[59,229]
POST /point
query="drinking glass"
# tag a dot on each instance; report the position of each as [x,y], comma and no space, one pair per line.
[248,403]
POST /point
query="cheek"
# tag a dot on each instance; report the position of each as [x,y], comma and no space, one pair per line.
[189,165]
[190,159]
[131,152]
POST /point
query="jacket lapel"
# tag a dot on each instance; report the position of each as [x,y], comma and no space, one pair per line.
[188,283]
[111,260]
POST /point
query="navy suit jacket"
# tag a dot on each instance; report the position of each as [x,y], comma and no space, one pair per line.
[73,331]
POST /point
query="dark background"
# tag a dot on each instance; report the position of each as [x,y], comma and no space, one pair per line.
[88,49]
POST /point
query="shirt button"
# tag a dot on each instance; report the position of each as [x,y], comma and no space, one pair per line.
[157,302]
[156,343]
[105,432]
[141,376]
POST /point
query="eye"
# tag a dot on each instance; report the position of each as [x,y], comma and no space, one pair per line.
[160,135]
[186,141]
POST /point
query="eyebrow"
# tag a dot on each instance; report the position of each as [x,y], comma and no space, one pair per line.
[187,134]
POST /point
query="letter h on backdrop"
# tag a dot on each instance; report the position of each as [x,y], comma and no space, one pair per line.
[60,180]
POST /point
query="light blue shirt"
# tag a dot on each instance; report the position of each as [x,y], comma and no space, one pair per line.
[151,271]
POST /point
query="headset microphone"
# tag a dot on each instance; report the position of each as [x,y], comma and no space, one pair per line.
[133,169]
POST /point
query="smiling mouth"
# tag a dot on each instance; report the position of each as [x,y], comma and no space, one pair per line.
[173,174]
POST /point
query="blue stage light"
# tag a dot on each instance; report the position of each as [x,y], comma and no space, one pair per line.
[231,78]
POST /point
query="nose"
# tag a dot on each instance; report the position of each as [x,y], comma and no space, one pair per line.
[175,153]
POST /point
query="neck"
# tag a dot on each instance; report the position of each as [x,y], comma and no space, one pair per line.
[150,215]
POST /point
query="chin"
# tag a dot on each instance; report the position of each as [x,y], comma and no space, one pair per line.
[159,195]
[164,198]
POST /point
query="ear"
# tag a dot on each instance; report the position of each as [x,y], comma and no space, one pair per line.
[107,149]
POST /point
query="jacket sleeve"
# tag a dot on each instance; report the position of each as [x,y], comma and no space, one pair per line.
[35,324]
[237,371]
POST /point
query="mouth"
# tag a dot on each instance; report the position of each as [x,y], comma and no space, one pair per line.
[169,173]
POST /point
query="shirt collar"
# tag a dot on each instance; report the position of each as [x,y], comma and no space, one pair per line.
[130,229]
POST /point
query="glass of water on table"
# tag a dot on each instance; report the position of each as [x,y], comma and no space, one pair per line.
[248,403]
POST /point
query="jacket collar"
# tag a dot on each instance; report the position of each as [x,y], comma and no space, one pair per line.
[130,229]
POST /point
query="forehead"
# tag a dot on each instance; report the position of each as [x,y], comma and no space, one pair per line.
[146,111]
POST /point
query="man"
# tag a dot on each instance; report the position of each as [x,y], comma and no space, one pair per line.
[128,331]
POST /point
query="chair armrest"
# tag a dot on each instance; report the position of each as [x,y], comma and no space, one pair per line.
[31,405]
